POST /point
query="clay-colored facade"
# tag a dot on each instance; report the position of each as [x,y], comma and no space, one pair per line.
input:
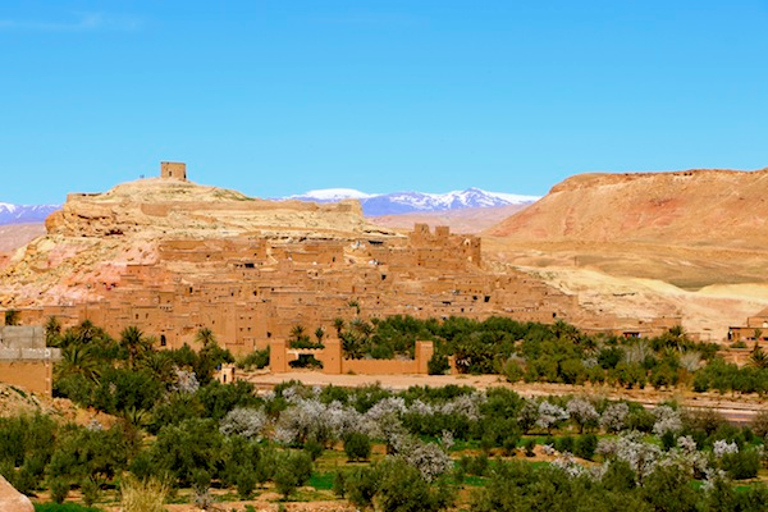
[250,290]
[335,364]
[35,376]
[173,170]
[25,361]
[755,330]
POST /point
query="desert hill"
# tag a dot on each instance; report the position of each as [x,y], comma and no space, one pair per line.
[692,208]
[691,242]
[95,237]
[181,208]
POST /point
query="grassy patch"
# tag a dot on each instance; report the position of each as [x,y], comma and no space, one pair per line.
[474,481]
[64,507]
[321,481]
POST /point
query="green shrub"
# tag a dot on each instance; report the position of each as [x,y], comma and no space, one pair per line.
[361,485]
[64,507]
[293,471]
[478,465]
[529,446]
[91,491]
[741,465]
[513,371]
[585,446]
[564,444]
[186,449]
[438,364]
[340,483]
[59,489]
[402,489]
[509,443]
[246,483]
[257,359]
[313,448]
[357,446]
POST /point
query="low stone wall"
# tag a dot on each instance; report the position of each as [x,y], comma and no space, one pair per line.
[22,336]
[30,354]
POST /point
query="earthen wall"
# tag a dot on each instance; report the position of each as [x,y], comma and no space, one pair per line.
[34,376]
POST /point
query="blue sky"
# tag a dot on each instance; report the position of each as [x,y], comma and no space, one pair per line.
[279,97]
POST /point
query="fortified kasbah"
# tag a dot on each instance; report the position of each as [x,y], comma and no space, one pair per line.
[170,257]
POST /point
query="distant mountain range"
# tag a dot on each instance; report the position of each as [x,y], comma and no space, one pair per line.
[395,203]
[409,202]
[24,214]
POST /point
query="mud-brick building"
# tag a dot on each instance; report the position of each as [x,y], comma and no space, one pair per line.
[755,330]
[25,361]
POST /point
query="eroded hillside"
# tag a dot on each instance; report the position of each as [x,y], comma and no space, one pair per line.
[690,242]
[691,208]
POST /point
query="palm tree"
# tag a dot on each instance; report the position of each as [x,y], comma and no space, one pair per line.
[351,345]
[363,328]
[338,324]
[77,360]
[132,339]
[354,304]
[676,338]
[205,337]
[319,334]
[758,358]
[161,366]
[52,331]
[297,332]
[137,417]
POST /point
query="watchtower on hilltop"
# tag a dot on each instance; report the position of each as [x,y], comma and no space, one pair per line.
[173,170]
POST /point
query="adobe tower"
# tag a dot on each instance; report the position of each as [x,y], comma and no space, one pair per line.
[173,170]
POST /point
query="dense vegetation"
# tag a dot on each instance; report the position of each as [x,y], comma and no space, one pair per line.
[420,449]
[557,353]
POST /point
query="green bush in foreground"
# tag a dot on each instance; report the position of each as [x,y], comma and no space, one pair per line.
[64,507]
[357,446]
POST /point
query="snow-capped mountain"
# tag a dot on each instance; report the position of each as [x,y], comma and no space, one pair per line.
[407,202]
[22,214]
[331,195]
